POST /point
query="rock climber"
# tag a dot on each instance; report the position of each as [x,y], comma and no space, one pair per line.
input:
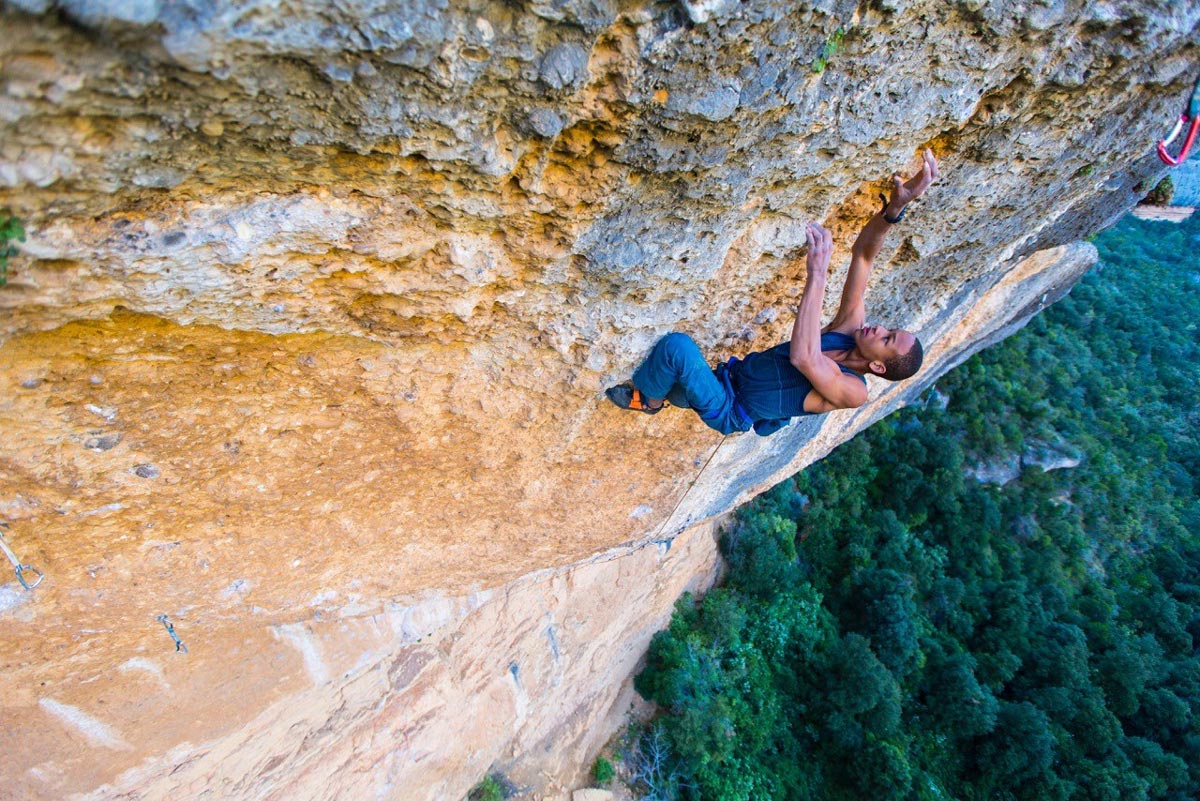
[818,370]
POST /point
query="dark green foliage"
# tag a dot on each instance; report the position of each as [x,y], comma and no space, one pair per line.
[11,231]
[1020,749]
[952,698]
[828,50]
[762,555]
[892,628]
[603,771]
[881,607]
[1162,193]
[489,789]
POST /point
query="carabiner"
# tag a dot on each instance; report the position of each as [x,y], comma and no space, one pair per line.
[19,569]
[179,646]
[22,570]
[1191,114]
[1187,142]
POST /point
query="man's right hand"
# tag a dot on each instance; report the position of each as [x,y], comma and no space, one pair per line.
[905,192]
[820,249]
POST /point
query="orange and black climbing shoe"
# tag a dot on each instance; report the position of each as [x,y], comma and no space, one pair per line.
[628,397]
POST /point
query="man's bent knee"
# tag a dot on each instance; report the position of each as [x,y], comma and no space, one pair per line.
[676,343]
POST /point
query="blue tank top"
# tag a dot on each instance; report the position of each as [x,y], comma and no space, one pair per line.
[771,390]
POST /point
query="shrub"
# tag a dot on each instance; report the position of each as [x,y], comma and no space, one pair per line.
[603,771]
[10,231]
[1161,194]
[487,790]
[830,48]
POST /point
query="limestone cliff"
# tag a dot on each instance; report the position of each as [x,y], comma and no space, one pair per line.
[306,345]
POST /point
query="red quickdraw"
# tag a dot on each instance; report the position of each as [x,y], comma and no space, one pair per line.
[1191,118]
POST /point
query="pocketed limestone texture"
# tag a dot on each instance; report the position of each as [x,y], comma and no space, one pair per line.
[306,346]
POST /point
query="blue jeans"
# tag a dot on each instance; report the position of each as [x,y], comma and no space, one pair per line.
[675,368]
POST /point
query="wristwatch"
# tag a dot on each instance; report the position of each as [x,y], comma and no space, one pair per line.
[883,211]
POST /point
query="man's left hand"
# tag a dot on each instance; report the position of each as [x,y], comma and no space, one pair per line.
[820,249]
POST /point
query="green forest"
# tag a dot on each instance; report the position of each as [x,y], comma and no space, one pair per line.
[893,627]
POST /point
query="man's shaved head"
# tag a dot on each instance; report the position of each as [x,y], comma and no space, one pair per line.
[906,364]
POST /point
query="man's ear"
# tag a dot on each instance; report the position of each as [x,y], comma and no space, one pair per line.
[877,367]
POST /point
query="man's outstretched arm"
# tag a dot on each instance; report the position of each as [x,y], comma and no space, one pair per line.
[839,390]
[851,314]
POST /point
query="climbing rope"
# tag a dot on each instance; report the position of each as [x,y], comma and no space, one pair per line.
[658,537]
[1191,118]
[20,569]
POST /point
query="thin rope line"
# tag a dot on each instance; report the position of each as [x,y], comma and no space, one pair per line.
[688,492]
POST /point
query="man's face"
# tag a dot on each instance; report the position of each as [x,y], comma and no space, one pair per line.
[878,344]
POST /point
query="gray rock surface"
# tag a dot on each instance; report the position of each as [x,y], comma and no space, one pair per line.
[999,471]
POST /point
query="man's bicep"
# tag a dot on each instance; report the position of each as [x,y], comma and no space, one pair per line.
[852,392]
[841,390]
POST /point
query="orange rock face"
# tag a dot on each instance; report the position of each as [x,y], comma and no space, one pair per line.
[302,360]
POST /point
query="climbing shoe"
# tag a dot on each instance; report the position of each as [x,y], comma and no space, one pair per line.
[628,397]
